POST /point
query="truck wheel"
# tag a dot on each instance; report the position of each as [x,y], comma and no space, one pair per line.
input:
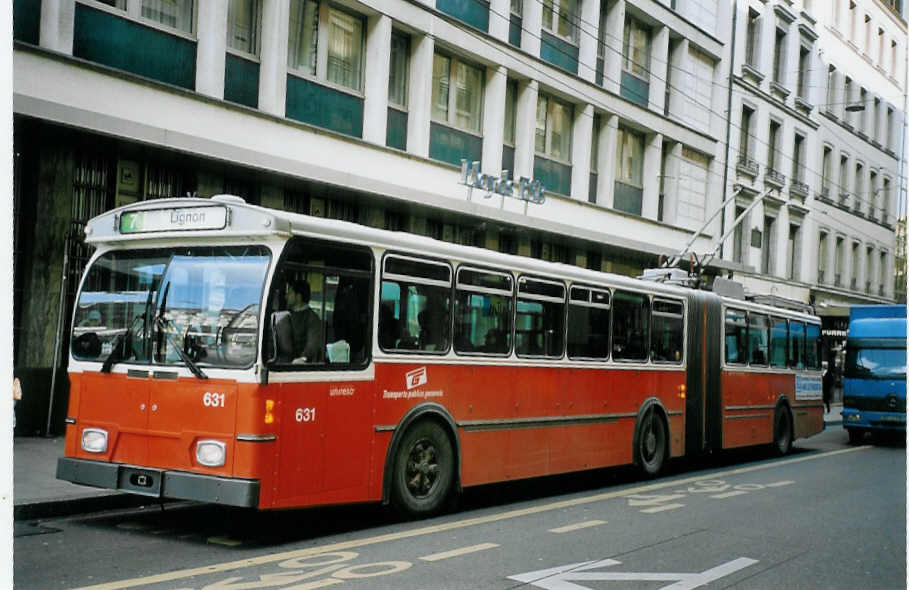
[423,470]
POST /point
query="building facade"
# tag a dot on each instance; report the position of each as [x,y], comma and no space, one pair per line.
[364,110]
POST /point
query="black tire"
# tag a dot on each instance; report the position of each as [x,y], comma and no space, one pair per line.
[856,436]
[782,431]
[423,473]
[651,448]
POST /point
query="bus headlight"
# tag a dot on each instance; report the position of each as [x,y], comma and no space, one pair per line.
[94,440]
[210,453]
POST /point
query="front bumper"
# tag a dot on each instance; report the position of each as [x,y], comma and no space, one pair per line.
[871,420]
[160,483]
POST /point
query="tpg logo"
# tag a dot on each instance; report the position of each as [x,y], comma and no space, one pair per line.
[416,378]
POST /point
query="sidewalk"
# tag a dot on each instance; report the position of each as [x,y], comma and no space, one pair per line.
[37,493]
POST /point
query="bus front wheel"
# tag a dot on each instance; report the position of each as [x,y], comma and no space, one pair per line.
[782,431]
[856,436]
[423,470]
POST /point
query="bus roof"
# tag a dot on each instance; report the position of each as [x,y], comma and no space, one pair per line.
[857,312]
[226,217]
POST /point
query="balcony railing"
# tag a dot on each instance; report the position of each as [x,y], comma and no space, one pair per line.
[799,188]
[825,193]
[820,275]
[844,199]
[748,166]
[774,177]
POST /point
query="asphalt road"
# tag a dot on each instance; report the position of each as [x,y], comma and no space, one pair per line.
[827,516]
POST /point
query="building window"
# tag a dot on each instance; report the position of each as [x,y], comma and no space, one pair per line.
[804,72]
[773,146]
[560,17]
[847,98]
[838,262]
[338,58]
[825,171]
[745,144]
[699,89]
[457,93]
[630,157]
[798,158]
[553,133]
[636,49]
[822,258]
[738,239]
[692,189]
[243,26]
[779,57]
[844,174]
[882,274]
[869,268]
[831,88]
[889,143]
[177,14]
[872,193]
[767,249]
[863,97]
[856,252]
[859,185]
[511,111]
[885,200]
[753,40]
[795,246]
[399,70]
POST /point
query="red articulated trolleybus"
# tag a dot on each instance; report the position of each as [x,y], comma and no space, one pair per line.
[229,353]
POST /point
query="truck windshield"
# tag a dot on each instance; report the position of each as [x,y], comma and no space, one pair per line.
[211,309]
[875,363]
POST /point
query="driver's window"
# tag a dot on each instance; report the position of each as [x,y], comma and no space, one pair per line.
[320,307]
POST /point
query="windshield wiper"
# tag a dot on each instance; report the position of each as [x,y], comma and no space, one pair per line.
[162,324]
[115,354]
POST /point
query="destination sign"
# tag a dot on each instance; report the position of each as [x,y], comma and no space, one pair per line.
[173,219]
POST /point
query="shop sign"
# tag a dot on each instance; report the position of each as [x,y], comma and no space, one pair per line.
[525,189]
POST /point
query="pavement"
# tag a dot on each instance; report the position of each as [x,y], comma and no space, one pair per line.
[37,493]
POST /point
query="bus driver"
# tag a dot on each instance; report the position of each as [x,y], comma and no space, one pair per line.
[307,326]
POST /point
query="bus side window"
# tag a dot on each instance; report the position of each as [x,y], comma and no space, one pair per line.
[778,336]
[324,287]
[813,346]
[630,326]
[796,345]
[667,329]
[758,340]
[736,336]
[588,323]
[539,321]
[415,307]
[483,311]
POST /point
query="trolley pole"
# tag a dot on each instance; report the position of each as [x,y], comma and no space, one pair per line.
[57,341]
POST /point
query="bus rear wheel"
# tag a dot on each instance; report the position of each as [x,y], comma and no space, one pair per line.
[651,446]
[782,431]
[423,470]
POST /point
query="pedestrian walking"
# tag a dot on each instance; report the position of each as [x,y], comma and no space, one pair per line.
[828,380]
[17,395]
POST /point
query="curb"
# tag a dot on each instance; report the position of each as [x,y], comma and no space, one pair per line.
[73,506]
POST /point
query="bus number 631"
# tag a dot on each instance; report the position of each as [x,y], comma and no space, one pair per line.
[213,400]
[305,415]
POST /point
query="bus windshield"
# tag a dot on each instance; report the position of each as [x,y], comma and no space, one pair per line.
[207,299]
[875,363]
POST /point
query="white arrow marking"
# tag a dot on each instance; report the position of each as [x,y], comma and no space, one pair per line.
[728,495]
[563,577]
[652,500]
[656,509]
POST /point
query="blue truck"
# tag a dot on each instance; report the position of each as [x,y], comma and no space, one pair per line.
[874,373]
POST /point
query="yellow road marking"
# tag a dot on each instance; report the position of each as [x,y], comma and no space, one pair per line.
[576,527]
[458,552]
[438,528]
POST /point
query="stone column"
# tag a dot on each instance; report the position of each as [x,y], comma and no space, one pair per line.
[499,18]
[653,156]
[419,97]
[57,23]
[211,47]
[589,34]
[681,67]
[581,136]
[606,150]
[615,30]
[672,168]
[273,61]
[659,57]
[378,60]
[494,119]
[781,244]
[525,127]
[531,27]
[768,43]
